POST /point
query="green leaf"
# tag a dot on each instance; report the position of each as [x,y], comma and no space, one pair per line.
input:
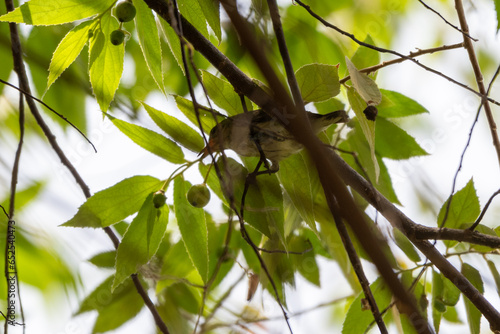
[366,57]
[395,143]
[405,245]
[294,176]
[358,319]
[451,293]
[68,50]
[368,126]
[398,105]
[206,117]
[223,94]
[104,260]
[192,11]
[496,275]
[111,205]
[176,263]
[151,141]
[211,9]
[318,82]
[193,227]
[464,208]
[437,296]
[149,41]
[175,128]
[141,241]
[47,12]
[105,62]
[305,263]
[173,42]
[114,307]
[473,314]
[364,85]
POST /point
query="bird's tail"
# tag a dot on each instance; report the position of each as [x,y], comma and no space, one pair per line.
[320,122]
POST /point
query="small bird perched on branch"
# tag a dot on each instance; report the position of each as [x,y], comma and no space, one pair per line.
[256,133]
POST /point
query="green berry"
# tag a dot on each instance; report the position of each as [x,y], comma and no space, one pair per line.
[125,11]
[117,37]
[159,199]
[198,195]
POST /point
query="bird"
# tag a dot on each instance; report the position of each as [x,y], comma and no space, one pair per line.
[256,133]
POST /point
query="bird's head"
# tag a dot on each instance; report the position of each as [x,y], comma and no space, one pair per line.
[217,140]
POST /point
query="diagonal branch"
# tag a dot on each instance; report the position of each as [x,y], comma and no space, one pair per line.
[478,75]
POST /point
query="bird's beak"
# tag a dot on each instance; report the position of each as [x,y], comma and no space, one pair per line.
[206,151]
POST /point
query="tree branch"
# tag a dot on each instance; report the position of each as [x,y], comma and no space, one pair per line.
[478,75]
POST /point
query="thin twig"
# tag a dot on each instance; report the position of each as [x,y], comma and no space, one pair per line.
[478,75]
[383,50]
[51,109]
[412,54]
[478,220]
[285,55]
[446,21]
[356,265]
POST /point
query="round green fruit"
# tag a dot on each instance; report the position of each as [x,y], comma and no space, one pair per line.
[159,199]
[117,37]
[125,11]
[198,195]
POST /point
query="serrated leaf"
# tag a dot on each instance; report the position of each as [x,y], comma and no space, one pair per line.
[102,296]
[149,40]
[211,9]
[367,126]
[111,205]
[141,241]
[105,62]
[206,117]
[223,94]
[464,208]
[437,296]
[364,85]
[357,319]
[395,143]
[294,177]
[318,82]
[47,12]
[366,57]
[395,104]
[175,128]
[192,226]
[114,308]
[495,274]
[473,314]
[451,293]
[104,260]
[173,42]
[192,11]
[405,245]
[151,141]
[68,50]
